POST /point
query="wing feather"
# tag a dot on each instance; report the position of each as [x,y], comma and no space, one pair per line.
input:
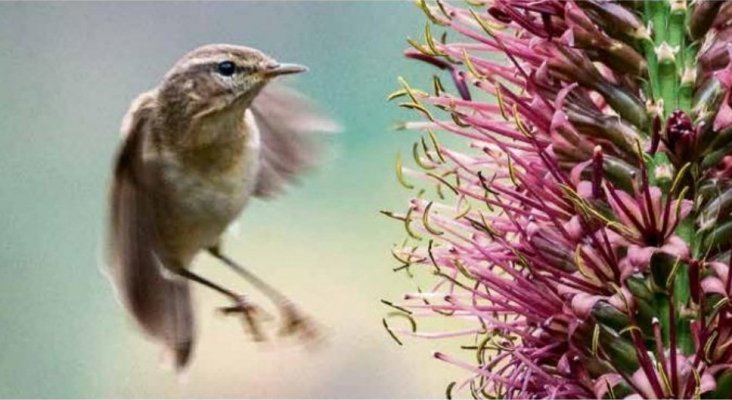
[161,306]
[289,126]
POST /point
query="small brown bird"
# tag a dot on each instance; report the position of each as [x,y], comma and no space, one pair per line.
[214,133]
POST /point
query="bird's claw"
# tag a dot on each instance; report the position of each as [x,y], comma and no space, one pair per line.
[294,322]
[252,316]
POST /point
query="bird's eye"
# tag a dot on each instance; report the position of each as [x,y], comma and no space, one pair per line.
[226,68]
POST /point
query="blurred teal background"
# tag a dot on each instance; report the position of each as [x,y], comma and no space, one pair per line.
[69,72]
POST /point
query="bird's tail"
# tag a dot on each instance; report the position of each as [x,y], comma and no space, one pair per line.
[158,301]
[161,306]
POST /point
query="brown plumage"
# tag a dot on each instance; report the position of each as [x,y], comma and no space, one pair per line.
[195,149]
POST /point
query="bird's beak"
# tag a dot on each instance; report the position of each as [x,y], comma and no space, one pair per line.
[283,69]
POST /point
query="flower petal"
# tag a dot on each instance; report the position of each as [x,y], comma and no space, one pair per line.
[582,304]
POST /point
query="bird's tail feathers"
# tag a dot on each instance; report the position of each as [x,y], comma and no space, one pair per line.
[161,306]
[159,302]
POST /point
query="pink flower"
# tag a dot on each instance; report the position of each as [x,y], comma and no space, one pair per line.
[573,214]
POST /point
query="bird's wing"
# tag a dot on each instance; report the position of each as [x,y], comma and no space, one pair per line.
[289,126]
[161,306]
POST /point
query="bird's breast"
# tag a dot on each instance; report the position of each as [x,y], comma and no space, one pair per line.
[204,199]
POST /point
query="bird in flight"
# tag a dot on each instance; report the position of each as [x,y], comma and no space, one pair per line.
[215,132]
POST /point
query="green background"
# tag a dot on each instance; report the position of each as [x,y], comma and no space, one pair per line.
[69,72]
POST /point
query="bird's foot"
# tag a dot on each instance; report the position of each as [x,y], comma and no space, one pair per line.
[294,322]
[252,314]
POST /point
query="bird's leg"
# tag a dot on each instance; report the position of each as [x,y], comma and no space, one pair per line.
[293,320]
[241,304]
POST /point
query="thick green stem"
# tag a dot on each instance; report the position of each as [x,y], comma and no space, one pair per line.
[688,79]
[682,288]
[668,81]
[676,43]
[671,61]
[659,18]
[682,294]
[666,55]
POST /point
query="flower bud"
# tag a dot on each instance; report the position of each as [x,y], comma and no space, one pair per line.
[707,99]
[611,128]
[661,266]
[724,169]
[702,17]
[714,54]
[639,289]
[719,207]
[615,18]
[608,315]
[597,172]
[621,353]
[719,237]
[681,135]
[724,16]
[502,16]
[615,53]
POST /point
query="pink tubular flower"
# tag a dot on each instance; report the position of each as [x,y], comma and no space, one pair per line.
[578,234]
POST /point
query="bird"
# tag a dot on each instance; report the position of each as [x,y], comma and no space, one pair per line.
[216,132]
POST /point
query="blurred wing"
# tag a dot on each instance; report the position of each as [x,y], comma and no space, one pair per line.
[289,125]
[161,306]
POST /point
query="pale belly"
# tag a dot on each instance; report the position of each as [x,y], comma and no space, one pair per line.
[199,207]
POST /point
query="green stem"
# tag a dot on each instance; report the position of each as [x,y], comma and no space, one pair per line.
[668,57]
[669,82]
[676,40]
[686,88]
[682,295]
[682,289]
[664,316]
[659,17]
[669,35]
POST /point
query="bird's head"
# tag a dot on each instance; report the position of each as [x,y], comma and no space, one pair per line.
[215,77]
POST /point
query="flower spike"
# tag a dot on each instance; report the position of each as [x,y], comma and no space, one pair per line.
[579,235]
